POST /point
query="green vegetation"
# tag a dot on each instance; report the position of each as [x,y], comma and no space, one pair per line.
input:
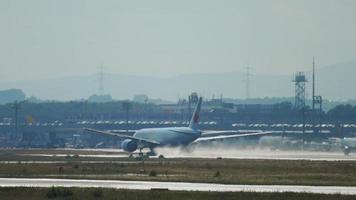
[152,173]
[11,95]
[345,112]
[81,110]
[59,192]
[21,193]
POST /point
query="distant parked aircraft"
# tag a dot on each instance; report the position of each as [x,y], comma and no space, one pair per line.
[171,136]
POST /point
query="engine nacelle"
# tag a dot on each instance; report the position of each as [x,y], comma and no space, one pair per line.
[129,145]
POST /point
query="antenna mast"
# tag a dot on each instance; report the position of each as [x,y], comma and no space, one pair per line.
[313,97]
[248,75]
[101,80]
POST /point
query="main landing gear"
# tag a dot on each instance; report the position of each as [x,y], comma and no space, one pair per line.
[144,155]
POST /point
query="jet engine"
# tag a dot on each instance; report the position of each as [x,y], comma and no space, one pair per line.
[129,145]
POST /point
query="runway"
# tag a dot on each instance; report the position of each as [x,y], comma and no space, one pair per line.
[178,186]
[202,152]
[255,154]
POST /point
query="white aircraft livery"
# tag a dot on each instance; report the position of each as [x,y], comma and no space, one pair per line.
[170,136]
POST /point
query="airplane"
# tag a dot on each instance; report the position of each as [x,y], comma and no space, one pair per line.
[172,136]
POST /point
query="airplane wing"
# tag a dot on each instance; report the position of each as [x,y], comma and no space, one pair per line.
[124,132]
[210,133]
[222,137]
[123,136]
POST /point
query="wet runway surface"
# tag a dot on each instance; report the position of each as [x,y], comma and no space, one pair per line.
[179,186]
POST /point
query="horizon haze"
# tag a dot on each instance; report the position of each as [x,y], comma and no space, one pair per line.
[329,80]
[48,39]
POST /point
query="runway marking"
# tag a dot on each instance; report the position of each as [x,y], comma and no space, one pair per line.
[178,186]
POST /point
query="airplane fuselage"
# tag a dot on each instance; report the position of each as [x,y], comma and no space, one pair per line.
[170,136]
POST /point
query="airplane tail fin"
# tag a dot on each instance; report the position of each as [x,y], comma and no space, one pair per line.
[195,117]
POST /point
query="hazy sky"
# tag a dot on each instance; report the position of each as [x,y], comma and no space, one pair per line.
[42,39]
